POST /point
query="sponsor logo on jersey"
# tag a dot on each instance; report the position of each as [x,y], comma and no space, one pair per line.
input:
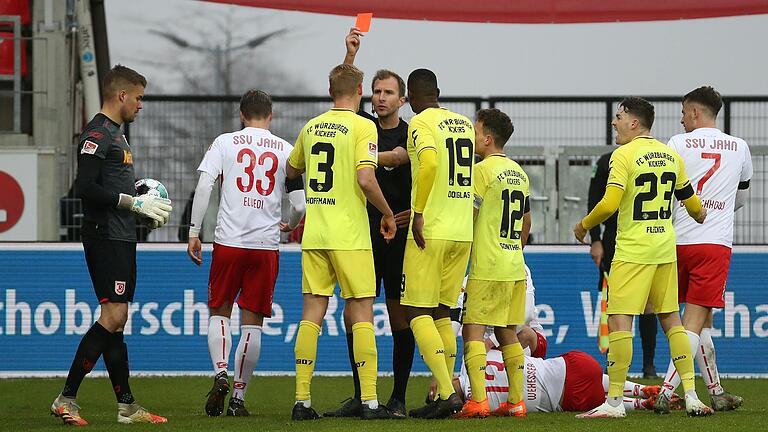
[89,147]
[373,149]
[127,157]
[119,287]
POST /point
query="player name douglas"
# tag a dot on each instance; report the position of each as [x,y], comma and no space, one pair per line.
[458,195]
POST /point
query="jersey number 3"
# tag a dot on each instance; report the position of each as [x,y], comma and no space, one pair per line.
[246,183]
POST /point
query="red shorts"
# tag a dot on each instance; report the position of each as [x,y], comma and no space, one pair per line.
[701,274]
[541,346]
[249,272]
[583,389]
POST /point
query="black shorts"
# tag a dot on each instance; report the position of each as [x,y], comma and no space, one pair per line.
[112,265]
[388,261]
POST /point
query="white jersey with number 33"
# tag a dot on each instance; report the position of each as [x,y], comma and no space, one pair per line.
[716,163]
[250,165]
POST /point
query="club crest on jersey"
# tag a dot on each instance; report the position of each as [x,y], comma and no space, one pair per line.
[119,287]
[373,149]
[89,147]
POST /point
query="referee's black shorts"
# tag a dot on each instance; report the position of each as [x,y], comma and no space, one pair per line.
[388,261]
[112,265]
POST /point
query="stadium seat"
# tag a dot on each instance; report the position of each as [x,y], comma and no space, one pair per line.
[6,54]
[16,7]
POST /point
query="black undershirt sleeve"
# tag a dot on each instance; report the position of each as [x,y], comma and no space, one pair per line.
[684,193]
[744,185]
[294,184]
[86,187]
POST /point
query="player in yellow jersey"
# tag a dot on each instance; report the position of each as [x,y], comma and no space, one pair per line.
[496,286]
[644,174]
[338,150]
[440,146]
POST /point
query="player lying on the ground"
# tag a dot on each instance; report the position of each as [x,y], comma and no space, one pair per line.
[571,382]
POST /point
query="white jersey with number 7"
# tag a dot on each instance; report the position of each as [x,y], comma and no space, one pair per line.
[250,165]
[716,163]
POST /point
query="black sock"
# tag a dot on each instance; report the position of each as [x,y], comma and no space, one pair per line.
[88,352]
[352,364]
[648,329]
[403,348]
[116,360]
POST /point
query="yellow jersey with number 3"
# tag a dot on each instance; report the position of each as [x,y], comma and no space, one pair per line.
[448,213]
[650,173]
[501,194]
[331,148]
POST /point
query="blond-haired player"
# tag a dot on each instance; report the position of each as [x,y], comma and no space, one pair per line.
[496,287]
[338,150]
[644,176]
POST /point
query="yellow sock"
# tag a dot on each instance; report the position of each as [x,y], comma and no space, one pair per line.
[306,352]
[366,358]
[432,351]
[515,364]
[474,357]
[619,358]
[680,350]
[445,328]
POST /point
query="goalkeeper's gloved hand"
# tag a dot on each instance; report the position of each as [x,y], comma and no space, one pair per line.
[155,208]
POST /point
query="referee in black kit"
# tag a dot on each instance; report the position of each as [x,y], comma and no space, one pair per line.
[602,251]
[394,177]
[105,183]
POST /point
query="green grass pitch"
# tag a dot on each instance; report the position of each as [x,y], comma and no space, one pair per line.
[24,406]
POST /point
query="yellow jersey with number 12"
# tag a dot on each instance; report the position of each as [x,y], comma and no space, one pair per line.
[332,147]
[448,213]
[650,173]
[501,191]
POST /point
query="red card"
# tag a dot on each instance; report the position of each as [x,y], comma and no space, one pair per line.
[364,21]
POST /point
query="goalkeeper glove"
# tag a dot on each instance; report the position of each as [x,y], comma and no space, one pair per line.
[156,208]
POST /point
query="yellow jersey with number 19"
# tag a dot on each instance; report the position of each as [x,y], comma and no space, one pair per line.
[501,190]
[448,213]
[332,147]
[649,172]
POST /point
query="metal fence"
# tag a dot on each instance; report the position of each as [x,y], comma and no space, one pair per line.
[556,139]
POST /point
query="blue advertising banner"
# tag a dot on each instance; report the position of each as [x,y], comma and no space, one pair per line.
[47,304]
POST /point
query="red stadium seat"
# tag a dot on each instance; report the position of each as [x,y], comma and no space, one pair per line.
[6,54]
[16,7]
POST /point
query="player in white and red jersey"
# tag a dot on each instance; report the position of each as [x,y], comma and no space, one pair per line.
[250,165]
[720,168]
[571,382]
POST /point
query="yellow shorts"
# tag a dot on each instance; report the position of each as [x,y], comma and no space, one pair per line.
[495,303]
[631,286]
[433,275]
[353,269]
